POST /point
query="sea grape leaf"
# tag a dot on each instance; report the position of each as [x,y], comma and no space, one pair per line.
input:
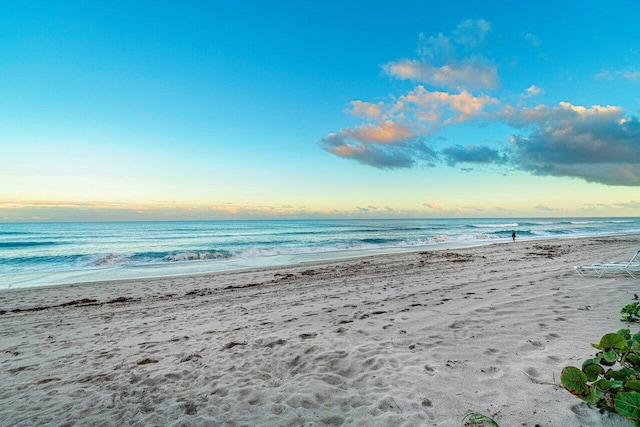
[625,333]
[610,356]
[612,342]
[633,358]
[594,361]
[592,371]
[575,381]
[628,405]
[603,384]
[620,375]
[632,309]
[632,385]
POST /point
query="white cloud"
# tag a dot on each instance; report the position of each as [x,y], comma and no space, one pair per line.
[443,107]
[366,109]
[471,33]
[630,74]
[437,47]
[532,91]
[604,75]
[547,208]
[450,62]
[535,41]
[471,73]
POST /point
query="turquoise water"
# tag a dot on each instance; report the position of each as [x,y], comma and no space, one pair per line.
[42,254]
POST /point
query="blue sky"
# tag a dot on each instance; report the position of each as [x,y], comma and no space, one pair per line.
[312,109]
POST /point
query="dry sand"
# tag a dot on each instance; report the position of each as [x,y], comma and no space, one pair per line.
[415,339]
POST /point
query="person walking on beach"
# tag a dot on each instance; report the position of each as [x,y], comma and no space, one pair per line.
[513,235]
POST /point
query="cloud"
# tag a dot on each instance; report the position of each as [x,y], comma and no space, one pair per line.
[532,91]
[629,74]
[433,206]
[472,154]
[394,138]
[377,149]
[383,145]
[393,133]
[472,33]
[449,62]
[473,208]
[388,132]
[535,40]
[633,204]
[442,107]
[597,144]
[366,109]
[436,47]
[547,208]
[469,34]
[470,73]
[604,75]
[52,210]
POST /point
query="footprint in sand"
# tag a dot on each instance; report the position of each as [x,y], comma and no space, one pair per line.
[536,344]
[308,335]
[430,370]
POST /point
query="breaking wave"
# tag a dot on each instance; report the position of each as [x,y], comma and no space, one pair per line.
[109,260]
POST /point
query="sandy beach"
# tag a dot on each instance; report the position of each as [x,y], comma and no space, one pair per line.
[414,339]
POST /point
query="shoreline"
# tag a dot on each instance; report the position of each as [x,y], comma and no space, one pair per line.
[200,268]
[415,338]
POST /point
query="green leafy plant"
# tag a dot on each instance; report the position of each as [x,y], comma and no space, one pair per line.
[631,312]
[476,419]
[612,378]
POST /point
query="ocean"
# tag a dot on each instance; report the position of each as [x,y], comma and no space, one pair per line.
[48,254]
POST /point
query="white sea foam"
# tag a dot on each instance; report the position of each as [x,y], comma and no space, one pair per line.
[110,260]
[506,225]
[586,222]
[195,256]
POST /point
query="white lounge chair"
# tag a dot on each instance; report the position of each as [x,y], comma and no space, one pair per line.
[631,267]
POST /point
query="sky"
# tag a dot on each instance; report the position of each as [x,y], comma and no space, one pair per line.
[196,110]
